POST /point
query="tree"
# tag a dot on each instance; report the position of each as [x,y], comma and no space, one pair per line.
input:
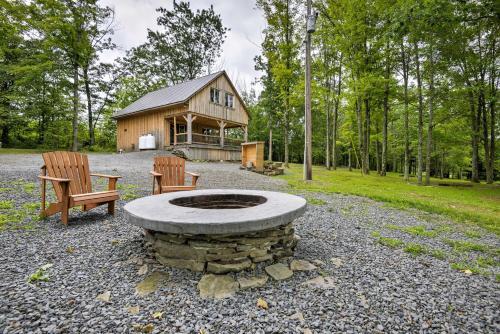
[187,45]
[282,57]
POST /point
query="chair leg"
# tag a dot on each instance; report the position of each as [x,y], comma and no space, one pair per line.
[65,203]
[111,208]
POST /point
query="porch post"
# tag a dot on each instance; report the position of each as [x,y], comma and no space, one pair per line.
[245,128]
[222,125]
[189,128]
[175,130]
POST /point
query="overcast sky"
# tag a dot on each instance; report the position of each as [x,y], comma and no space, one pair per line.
[134,17]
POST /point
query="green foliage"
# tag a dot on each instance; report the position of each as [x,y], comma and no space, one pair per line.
[187,43]
[415,249]
[5,205]
[41,274]
[464,266]
[315,201]
[390,242]
[477,204]
[473,234]
[465,246]
[487,261]
[128,191]
[438,254]
[419,230]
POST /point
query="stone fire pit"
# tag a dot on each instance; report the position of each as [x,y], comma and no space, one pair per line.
[218,231]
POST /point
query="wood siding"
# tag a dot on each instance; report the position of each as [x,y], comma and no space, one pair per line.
[210,153]
[200,103]
[129,129]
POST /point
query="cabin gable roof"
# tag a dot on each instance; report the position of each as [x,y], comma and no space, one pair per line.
[173,95]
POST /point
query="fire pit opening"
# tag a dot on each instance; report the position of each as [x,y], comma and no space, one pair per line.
[219,201]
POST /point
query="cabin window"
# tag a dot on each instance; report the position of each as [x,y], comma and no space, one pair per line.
[229,100]
[181,128]
[214,95]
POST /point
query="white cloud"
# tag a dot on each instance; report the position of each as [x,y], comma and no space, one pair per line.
[134,17]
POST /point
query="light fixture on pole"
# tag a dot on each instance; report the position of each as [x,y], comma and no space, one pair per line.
[310,28]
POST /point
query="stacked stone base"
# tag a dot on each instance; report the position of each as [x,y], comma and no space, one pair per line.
[222,253]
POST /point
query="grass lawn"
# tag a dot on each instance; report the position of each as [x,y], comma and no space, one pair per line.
[39,150]
[479,204]
[20,150]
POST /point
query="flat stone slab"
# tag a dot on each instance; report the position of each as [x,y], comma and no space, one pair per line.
[302,265]
[217,286]
[252,282]
[157,213]
[279,271]
[150,284]
[320,282]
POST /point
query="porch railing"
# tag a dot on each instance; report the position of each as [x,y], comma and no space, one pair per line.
[198,138]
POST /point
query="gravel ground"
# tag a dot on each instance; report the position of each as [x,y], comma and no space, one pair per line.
[377,288]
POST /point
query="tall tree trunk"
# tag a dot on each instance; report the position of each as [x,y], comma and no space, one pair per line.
[286,138]
[327,151]
[270,158]
[360,133]
[420,115]
[441,174]
[335,134]
[486,143]
[383,170]
[406,113]
[377,149]
[4,138]
[493,93]
[76,102]
[287,97]
[89,105]
[474,137]
[336,116]
[430,125]
[366,166]
[349,159]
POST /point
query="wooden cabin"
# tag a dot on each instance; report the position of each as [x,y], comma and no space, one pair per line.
[205,117]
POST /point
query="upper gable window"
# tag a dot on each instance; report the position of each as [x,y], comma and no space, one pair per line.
[214,95]
[229,100]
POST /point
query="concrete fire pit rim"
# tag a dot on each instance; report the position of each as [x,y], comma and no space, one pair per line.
[158,214]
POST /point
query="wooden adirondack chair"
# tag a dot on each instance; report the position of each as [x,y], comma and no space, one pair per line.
[168,175]
[70,176]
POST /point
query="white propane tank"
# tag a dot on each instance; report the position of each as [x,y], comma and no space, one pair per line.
[150,142]
[142,142]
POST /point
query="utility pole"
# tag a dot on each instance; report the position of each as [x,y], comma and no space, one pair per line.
[310,28]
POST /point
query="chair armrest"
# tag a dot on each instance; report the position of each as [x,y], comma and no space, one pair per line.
[106,176]
[55,179]
[194,177]
[155,174]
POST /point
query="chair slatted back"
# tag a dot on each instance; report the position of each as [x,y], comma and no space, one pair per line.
[172,169]
[68,165]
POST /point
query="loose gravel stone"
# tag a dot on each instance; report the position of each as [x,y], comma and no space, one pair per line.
[375,285]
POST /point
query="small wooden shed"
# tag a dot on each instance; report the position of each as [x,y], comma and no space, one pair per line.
[253,152]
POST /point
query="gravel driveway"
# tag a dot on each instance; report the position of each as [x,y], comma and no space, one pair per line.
[376,288]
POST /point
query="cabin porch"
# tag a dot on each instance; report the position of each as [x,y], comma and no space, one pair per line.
[205,138]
